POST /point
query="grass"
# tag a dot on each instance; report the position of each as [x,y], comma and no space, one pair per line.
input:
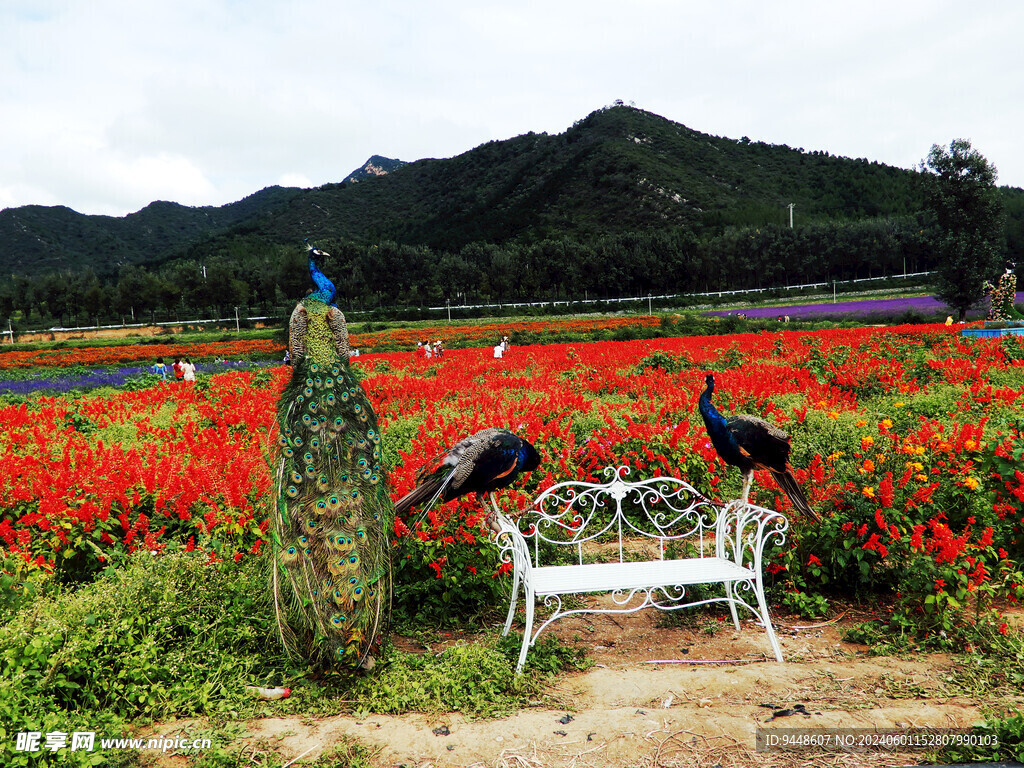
[173,636]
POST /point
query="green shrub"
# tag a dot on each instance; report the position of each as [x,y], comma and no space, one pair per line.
[166,635]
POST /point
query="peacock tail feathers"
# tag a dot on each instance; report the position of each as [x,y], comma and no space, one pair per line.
[333,514]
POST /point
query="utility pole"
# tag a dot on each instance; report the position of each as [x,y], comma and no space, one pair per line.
[791,206]
[238,327]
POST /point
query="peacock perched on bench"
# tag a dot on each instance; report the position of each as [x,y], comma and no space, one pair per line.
[333,515]
[482,463]
[749,443]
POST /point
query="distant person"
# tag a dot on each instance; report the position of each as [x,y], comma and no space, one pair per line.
[505,343]
[419,349]
[499,351]
[438,349]
[426,349]
[287,357]
[176,367]
[159,368]
[188,370]
[949,319]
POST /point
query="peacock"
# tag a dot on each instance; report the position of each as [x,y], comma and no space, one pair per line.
[332,573]
[750,443]
[481,463]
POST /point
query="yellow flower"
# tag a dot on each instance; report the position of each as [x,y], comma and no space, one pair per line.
[971,483]
[835,455]
[887,423]
[919,450]
[970,445]
[865,443]
[869,491]
[833,415]
[898,404]
[861,422]
[921,478]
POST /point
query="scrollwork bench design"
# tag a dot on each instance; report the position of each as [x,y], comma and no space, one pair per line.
[661,536]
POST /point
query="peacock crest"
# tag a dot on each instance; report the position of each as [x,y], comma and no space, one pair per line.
[332,571]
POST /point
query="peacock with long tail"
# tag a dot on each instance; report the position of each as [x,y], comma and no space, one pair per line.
[333,515]
[481,463]
[749,443]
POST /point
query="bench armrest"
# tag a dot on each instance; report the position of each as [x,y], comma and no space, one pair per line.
[742,530]
[512,546]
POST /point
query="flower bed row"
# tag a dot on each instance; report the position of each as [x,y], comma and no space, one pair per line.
[906,438]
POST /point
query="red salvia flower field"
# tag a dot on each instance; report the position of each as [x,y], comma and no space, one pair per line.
[906,439]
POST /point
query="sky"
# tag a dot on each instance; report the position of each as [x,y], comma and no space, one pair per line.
[108,105]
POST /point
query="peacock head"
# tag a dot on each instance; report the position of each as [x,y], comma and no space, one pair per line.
[531,458]
[325,290]
[710,381]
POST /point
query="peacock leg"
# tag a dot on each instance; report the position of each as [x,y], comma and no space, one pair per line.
[748,478]
[492,517]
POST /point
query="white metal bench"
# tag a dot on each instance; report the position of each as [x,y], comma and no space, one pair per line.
[661,536]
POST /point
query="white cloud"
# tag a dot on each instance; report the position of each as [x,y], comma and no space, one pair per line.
[294,180]
[110,104]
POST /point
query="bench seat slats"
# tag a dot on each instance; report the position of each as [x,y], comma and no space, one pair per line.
[605,577]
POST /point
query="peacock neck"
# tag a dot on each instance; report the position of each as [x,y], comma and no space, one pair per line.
[712,418]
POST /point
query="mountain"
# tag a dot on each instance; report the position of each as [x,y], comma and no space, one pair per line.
[35,239]
[375,166]
[620,170]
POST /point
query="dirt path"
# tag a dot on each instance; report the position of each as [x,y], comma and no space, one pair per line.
[625,711]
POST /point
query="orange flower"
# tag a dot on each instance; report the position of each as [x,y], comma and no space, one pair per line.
[868,491]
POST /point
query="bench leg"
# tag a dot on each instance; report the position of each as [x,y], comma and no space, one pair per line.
[730,592]
[528,629]
[767,621]
[516,579]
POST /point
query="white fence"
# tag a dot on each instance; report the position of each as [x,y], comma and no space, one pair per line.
[650,298]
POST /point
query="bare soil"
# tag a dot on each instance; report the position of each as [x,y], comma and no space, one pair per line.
[659,697]
[123,332]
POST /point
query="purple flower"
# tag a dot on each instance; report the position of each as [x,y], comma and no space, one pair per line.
[926,305]
[60,383]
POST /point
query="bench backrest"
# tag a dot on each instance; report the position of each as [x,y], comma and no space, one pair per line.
[662,509]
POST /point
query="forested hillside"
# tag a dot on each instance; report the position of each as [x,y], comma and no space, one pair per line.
[623,203]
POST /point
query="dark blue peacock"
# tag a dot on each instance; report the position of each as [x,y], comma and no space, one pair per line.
[333,515]
[749,443]
[482,463]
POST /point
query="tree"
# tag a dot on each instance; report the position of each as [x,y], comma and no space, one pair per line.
[960,193]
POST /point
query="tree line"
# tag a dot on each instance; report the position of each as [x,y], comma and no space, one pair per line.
[244,271]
